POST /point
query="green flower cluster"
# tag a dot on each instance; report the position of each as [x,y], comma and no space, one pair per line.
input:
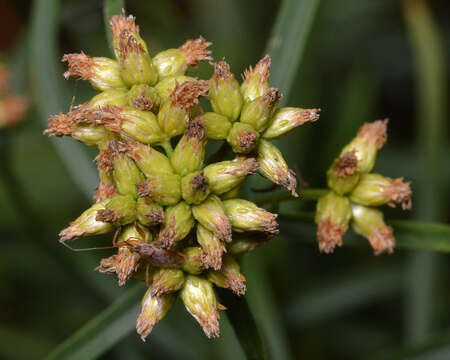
[355,192]
[177,221]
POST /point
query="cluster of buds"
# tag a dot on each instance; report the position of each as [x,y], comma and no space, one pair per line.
[355,192]
[12,107]
[178,222]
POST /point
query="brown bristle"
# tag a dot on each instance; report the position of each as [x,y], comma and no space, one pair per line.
[79,65]
[105,191]
[247,140]
[329,235]
[59,125]
[186,94]
[262,68]
[382,240]
[200,182]
[104,160]
[399,192]
[107,215]
[347,164]
[222,70]
[375,132]
[195,130]
[196,50]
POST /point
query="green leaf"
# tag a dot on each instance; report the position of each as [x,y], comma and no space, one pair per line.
[110,8]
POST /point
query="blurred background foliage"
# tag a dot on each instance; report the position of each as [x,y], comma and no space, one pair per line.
[363,60]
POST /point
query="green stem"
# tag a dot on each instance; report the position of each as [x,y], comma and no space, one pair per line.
[167,146]
[306,194]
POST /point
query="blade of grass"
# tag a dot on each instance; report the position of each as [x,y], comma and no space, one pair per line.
[110,8]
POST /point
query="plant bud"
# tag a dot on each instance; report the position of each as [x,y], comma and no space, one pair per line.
[164,188]
[86,224]
[148,212]
[246,216]
[333,214]
[176,61]
[229,276]
[102,73]
[200,301]
[233,193]
[211,215]
[178,224]
[136,66]
[256,81]
[107,187]
[343,175]
[113,97]
[89,135]
[369,223]
[242,138]
[242,246]
[193,264]
[166,280]
[134,232]
[288,118]
[273,167]
[150,161]
[226,175]
[189,154]
[258,112]
[142,126]
[212,247]
[216,126]
[119,210]
[376,190]
[224,93]
[166,86]
[194,187]
[370,138]
[154,308]
[143,97]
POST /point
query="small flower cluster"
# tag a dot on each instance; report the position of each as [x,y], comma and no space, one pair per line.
[177,221]
[12,107]
[355,192]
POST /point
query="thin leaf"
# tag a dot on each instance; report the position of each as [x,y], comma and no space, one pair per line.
[110,8]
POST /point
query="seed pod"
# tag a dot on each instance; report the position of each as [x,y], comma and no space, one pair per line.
[229,276]
[148,212]
[370,138]
[211,215]
[226,175]
[166,86]
[164,188]
[200,301]
[166,280]
[176,61]
[86,224]
[113,97]
[143,97]
[216,126]
[246,216]
[141,125]
[150,161]
[134,232]
[369,223]
[119,210]
[233,193]
[333,215]
[376,190]
[242,246]
[102,73]
[224,93]
[242,138]
[131,51]
[256,81]
[212,247]
[193,264]
[189,154]
[154,308]
[107,187]
[343,175]
[273,167]
[258,112]
[194,187]
[288,118]
[178,224]
[89,135]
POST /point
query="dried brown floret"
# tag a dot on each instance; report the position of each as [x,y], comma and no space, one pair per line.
[247,140]
[79,65]
[107,215]
[262,68]
[59,125]
[104,160]
[125,29]
[143,189]
[375,132]
[222,70]
[156,216]
[200,182]
[382,240]
[308,115]
[196,50]
[186,94]
[329,235]
[347,164]
[105,191]
[196,130]
[143,103]
[272,96]
[399,192]
[212,256]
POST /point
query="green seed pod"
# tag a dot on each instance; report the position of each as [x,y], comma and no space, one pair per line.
[224,93]
[189,154]
[179,222]
[212,247]
[148,212]
[166,280]
[242,138]
[246,216]
[376,190]
[240,247]
[227,175]
[89,135]
[343,175]
[102,73]
[233,193]
[200,301]
[193,264]
[143,97]
[107,187]
[216,126]
[134,232]
[119,210]
[369,223]
[211,215]
[136,66]
[86,224]
[258,112]
[273,167]
[229,276]
[165,189]
[370,138]
[141,125]
[333,214]
[288,118]
[256,81]
[194,187]
[113,97]
[150,161]
[154,308]
[173,120]
[176,61]
[166,86]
